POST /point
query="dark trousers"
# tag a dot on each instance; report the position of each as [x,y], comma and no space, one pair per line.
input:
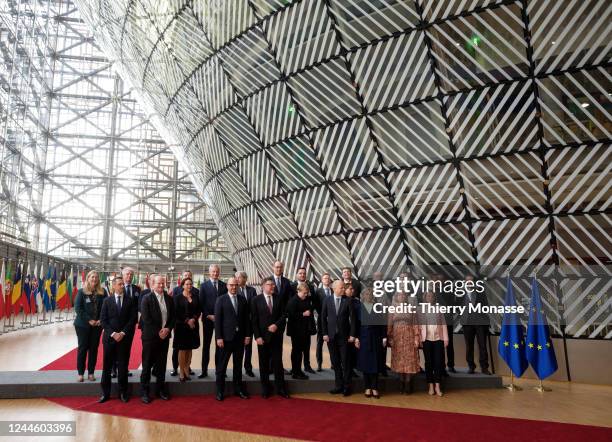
[88,339]
[370,381]
[116,353]
[319,350]
[450,349]
[434,360]
[131,339]
[248,352]
[175,359]
[231,349]
[339,355]
[307,353]
[299,348]
[208,332]
[271,355]
[154,357]
[480,333]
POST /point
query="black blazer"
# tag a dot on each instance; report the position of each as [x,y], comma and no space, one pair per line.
[343,324]
[249,294]
[261,318]
[356,288]
[299,325]
[178,290]
[182,308]
[151,315]
[286,289]
[113,320]
[320,295]
[230,325]
[474,318]
[208,296]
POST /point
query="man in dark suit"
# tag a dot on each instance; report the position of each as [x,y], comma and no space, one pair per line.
[131,291]
[178,290]
[248,293]
[475,325]
[157,310]
[321,294]
[300,277]
[282,286]
[210,290]
[232,333]
[339,328]
[118,318]
[347,277]
[269,319]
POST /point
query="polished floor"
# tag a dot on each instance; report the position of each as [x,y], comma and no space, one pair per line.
[33,348]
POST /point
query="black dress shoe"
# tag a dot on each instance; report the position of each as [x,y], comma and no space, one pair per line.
[243,395]
[486,371]
[265,394]
[319,368]
[445,374]
[124,397]
[300,376]
[452,369]
[346,392]
[219,397]
[283,394]
[114,374]
[129,374]
[336,391]
[103,399]
[145,399]
[203,375]
[164,396]
[191,373]
[471,371]
[309,370]
[250,373]
[354,374]
[173,373]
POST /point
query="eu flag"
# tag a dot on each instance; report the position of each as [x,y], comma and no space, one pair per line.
[511,344]
[540,350]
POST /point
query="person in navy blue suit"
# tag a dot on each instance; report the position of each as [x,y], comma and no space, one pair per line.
[282,286]
[339,330]
[269,319]
[210,290]
[177,291]
[130,290]
[118,319]
[248,293]
[232,333]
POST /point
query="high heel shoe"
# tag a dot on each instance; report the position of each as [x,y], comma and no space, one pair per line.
[375,394]
[368,393]
[91,377]
[80,378]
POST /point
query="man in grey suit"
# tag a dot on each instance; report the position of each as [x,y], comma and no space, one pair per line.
[475,325]
[248,293]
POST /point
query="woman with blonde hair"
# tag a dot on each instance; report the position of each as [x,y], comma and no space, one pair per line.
[403,337]
[87,306]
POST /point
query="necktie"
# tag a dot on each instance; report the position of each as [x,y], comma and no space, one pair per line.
[337,304]
[326,292]
[130,290]
[215,284]
[119,302]
[269,301]
[233,298]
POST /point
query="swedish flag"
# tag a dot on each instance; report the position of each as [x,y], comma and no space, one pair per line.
[511,345]
[540,350]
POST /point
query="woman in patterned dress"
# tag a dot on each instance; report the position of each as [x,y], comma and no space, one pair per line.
[403,336]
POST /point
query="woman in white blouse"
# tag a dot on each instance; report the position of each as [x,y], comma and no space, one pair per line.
[434,338]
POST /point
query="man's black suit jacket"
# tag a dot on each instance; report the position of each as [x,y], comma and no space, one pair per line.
[115,321]
[343,323]
[209,295]
[152,318]
[229,324]
[261,318]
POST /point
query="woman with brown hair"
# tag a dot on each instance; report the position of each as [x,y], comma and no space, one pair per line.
[187,329]
[403,336]
[87,306]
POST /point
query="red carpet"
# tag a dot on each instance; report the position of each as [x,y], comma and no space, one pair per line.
[322,420]
[68,361]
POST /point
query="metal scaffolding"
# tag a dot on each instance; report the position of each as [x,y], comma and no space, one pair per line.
[84,175]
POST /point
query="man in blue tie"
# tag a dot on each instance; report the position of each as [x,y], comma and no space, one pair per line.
[322,292]
[210,290]
[232,333]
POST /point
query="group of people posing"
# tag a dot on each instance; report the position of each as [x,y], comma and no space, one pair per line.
[339,313]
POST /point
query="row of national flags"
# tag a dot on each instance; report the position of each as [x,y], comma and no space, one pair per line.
[536,348]
[28,288]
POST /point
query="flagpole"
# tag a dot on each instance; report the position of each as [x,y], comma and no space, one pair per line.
[541,388]
[512,386]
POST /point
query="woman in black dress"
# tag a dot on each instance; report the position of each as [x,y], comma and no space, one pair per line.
[371,344]
[300,326]
[186,330]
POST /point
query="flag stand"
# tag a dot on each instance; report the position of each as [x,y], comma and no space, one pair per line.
[512,386]
[541,388]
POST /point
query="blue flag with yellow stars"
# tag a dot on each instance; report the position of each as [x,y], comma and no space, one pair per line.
[511,345]
[540,350]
